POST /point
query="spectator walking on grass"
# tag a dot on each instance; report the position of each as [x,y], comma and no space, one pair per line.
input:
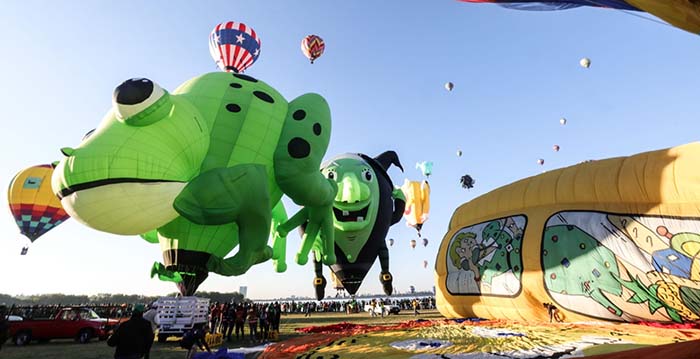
[133,338]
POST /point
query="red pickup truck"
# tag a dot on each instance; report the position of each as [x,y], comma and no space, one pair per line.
[79,323]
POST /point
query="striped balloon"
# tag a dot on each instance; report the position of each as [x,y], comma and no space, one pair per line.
[312,46]
[234,46]
[32,202]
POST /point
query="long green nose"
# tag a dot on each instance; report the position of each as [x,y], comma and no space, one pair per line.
[352,190]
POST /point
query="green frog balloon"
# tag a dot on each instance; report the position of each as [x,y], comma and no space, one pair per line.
[202,170]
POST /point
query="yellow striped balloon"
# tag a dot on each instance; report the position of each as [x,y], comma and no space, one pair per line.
[32,202]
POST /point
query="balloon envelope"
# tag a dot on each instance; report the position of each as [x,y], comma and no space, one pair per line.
[562,121]
[32,202]
[449,86]
[413,243]
[312,46]
[467,181]
[540,162]
[683,14]
[585,62]
[425,242]
[425,264]
[459,153]
[425,167]
[555,148]
[417,196]
[234,46]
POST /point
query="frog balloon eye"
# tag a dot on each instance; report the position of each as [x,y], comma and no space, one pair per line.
[367,175]
[140,102]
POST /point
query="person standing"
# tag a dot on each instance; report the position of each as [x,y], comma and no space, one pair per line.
[253,323]
[4,325]
[133,338]
[239,322]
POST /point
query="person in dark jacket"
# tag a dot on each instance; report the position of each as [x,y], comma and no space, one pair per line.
[133,338]
[4,325]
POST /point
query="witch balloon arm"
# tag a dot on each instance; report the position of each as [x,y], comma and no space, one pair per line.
[319,224]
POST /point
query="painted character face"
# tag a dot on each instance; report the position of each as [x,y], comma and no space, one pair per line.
[356,204]
[124,176]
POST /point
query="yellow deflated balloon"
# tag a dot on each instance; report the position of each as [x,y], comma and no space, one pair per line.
[613,240]
[417,195]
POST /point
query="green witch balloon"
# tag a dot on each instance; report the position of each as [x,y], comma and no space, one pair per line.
[366,205]
[202,170]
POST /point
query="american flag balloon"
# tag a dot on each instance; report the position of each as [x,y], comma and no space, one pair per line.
[312,46]
[234,46]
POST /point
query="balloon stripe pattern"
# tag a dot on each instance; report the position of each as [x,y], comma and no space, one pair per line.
[538,5]
[32,202]
[234,46]
[312,46]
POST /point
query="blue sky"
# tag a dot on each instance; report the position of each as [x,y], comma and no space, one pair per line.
[515,74]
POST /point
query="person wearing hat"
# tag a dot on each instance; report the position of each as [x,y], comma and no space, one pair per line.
[133,338]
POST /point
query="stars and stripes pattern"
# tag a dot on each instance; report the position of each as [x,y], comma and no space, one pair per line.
[312,46]
[234,46]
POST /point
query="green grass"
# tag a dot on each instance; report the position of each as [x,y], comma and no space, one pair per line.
[170,349]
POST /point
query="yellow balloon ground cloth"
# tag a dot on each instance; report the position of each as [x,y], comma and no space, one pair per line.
[456,339]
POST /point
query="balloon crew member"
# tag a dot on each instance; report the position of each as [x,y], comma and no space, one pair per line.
[132,338]
[195,338]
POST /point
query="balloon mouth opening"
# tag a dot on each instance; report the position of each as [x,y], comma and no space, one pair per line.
[65,192]
[342,215]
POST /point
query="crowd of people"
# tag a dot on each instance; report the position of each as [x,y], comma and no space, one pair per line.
[262,320]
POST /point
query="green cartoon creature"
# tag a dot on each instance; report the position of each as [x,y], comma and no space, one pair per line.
[366,205]
[202,170]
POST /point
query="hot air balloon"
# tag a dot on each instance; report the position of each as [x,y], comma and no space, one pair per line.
[413,243]
[585,62]
[425,167]
[312,46]
[683,14]
[459,153]
[555,148]
[234,46]
[467,181]
[540,162]
[391,242]
[425,242]
[562,121]
[417,203]
[33,204]
[449,86]
[425,264]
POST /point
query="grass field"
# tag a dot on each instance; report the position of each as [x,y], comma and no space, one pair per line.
[171,350]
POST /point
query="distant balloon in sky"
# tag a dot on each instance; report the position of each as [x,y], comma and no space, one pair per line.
[540,162]
[467,181]
[234,46]
[33,203]
[425,167]
[425,242]
[585,62]
[449,86]
[391,242]
[459,153]
[555,148]
[312,46]
[562,121]
[425,264]
[413,243]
